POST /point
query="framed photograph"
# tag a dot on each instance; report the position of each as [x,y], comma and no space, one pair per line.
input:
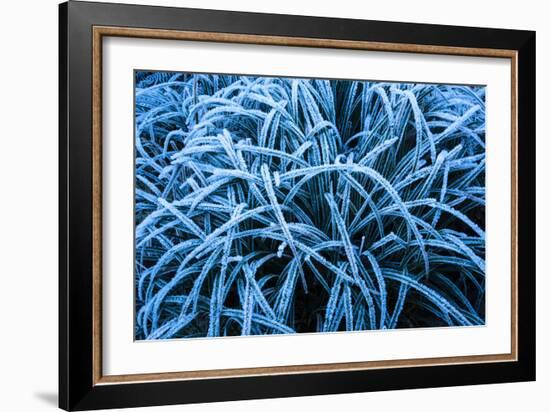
[257,205]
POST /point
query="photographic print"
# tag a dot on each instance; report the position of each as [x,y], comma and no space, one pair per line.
[274,205]
[242,193]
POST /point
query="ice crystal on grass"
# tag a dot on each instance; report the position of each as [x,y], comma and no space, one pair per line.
[270,205]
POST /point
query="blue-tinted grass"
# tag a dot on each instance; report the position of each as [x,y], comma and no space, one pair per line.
[275,205]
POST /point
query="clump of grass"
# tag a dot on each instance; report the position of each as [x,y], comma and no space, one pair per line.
[276,205]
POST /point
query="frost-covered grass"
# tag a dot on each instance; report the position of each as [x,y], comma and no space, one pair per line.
[276,205]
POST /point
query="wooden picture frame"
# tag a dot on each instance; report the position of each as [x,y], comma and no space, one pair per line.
[82,384]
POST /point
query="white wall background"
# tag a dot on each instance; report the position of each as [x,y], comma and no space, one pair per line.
[28,203]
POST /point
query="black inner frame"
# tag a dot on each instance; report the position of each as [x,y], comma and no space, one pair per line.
[76,387]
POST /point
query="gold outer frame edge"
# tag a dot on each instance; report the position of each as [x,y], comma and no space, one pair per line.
[101,31]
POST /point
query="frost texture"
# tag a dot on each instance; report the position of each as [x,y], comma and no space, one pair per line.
[275,205]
